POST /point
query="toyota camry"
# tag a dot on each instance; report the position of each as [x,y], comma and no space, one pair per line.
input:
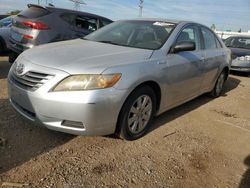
[118,78]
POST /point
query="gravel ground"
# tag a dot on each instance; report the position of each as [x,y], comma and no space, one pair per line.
[203,143]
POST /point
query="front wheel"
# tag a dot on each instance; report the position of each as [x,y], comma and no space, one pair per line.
[136,114]
[216,92]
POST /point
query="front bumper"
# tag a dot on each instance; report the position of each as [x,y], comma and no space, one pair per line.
[95,112]
[240,66]
[240,69]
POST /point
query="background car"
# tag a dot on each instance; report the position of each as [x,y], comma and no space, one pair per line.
[118,78]
[5,25]
[40,25]
[240,47]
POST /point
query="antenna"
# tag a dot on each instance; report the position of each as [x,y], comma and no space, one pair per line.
[141,7]
[78,3]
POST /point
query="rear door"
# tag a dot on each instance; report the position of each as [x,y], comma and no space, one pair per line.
[214,57]
[184,69]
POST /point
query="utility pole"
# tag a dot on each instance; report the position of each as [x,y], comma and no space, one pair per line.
[141,7]
[38,2]
[77,4]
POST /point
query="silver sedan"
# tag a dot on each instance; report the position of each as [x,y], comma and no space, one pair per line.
[118,78]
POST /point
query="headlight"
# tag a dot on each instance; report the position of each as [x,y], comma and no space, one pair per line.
[244,58]
[87,82]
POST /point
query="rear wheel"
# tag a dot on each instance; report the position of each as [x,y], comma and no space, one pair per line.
[216,92]
[136,114]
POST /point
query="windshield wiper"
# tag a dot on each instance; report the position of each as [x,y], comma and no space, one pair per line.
[108,42]
[83,38]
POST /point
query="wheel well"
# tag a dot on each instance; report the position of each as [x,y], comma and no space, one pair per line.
[226,69]
[156,88]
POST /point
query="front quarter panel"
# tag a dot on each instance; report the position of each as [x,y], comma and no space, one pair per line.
[135,74]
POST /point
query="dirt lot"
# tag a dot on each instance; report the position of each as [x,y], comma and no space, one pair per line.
[204,143]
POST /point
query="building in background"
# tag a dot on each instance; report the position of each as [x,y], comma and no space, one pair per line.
[226,34]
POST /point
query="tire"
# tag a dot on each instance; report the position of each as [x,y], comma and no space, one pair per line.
[12,57]
[216,92]
[1,48]
[136,114]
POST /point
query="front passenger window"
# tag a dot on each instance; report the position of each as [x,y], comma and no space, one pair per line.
[189,34]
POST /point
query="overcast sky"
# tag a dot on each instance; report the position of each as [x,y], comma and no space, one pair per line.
[225,14]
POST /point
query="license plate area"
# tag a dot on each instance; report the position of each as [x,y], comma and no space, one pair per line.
[16,36]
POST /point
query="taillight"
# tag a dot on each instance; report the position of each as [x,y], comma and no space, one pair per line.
[27,37]
[36,25]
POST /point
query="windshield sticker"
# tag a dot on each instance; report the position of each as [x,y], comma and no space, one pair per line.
[163,24]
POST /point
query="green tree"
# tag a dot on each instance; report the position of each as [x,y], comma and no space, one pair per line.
[14,12]
[213,27]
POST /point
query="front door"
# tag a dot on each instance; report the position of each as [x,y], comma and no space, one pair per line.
[184,69]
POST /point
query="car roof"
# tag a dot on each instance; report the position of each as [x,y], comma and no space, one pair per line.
[164,20]
[158,20]
[51,9]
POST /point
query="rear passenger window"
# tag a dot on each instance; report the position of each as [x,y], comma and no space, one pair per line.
[209,39]
[87,23]
[69,18]
[33,12]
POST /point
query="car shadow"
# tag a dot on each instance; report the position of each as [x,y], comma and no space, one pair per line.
[244,74]
[174,113]
[245,181]
[21,141]
[4,67]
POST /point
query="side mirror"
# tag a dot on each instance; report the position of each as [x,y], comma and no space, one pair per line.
[183,46]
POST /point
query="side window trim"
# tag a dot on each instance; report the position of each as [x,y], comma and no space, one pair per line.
[218,42]
[201,38]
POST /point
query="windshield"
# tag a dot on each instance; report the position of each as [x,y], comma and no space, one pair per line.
[238,42]
[138,34]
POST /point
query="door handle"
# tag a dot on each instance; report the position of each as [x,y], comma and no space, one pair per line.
[161,62]
[202,58]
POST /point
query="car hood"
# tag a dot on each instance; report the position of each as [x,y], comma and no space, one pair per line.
[238,52]
[82,56]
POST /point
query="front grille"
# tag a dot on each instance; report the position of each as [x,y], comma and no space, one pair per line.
[31,80]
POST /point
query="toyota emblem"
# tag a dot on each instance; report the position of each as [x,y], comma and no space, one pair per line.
[19,68]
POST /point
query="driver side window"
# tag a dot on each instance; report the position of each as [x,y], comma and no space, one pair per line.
[189,34]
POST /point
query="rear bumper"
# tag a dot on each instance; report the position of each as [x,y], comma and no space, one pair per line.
[19,47]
